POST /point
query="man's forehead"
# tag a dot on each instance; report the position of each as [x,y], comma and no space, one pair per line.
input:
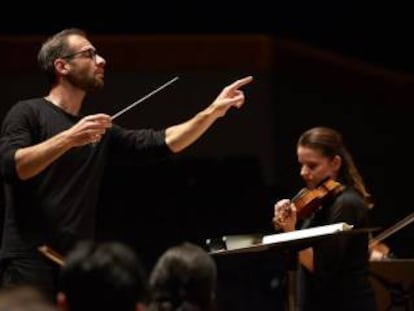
[78,42]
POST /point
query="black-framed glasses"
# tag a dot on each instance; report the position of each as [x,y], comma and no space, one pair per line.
[89,53]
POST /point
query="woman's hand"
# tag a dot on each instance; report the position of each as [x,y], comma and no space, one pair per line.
[285,216]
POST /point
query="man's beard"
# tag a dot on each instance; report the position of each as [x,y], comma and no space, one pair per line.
[86,83]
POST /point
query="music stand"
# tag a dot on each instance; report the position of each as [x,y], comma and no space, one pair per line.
[289,247]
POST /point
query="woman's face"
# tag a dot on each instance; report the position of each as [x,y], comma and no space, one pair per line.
[315,166]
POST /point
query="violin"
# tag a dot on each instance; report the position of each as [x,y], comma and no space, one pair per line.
[307,201]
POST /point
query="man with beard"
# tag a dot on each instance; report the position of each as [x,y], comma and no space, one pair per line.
[52,158]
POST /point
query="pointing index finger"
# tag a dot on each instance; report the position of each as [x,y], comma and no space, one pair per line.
[241,82]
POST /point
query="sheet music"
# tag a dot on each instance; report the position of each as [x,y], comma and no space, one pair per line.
[306,233]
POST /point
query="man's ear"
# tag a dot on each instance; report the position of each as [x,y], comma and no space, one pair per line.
[62,302]
[61,66]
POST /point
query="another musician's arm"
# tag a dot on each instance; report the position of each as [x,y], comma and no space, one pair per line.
[306,259]
[378,251]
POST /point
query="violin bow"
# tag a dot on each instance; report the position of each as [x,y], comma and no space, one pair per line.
[51,254]
[393,229]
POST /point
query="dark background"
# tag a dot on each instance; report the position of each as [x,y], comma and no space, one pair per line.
[341,64]
[377,32]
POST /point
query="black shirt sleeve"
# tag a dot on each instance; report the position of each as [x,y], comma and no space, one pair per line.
[18,131]
[137,145]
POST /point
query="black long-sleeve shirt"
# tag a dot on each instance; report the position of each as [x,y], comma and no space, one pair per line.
[340,280]
[58,205]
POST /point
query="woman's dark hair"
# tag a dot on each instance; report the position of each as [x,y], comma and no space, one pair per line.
[330,143]
[103,276]
[184,278]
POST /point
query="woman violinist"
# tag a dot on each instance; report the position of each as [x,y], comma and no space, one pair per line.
[334,273]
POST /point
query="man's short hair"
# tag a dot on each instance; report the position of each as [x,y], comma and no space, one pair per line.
[103,276]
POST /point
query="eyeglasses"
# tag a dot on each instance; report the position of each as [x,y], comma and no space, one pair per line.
[89,53]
